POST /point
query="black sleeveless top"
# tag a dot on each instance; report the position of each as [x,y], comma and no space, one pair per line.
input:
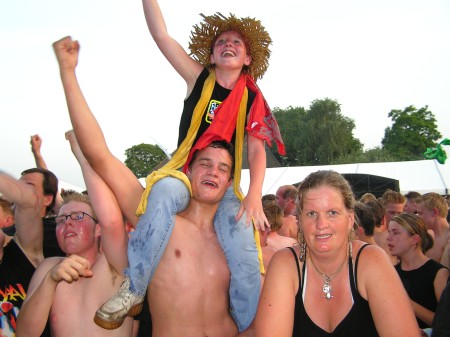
[218,95]
[358,322]
[419,284]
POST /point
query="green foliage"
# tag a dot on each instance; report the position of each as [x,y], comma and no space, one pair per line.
[142,158]
[412,132]
[317,136]
[375,155]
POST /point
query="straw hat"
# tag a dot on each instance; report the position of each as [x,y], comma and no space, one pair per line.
[254,34]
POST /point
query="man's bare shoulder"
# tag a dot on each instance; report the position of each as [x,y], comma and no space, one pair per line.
[49,263]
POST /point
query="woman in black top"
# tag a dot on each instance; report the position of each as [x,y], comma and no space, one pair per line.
[424,279]
[332,285]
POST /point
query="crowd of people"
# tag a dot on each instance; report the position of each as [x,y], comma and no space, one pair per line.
[190,254]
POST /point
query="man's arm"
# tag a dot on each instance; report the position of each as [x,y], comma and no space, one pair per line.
[121,180]
[41,291]
[29,228]
[188,68]
[114,237]
[36,143]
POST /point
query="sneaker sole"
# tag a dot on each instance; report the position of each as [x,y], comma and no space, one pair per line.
[111,325]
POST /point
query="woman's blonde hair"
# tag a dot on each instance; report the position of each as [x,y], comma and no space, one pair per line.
[415,225]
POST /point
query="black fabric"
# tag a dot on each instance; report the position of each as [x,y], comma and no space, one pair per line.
[358,322]
[51,246]
[218,96]
[10,231]
[15,275]
[441,321]
[368,183]
[145,321]
[419,284]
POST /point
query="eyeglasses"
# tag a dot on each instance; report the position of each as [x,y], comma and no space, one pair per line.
[74,216]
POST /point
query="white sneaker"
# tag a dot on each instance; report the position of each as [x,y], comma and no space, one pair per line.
[124,303]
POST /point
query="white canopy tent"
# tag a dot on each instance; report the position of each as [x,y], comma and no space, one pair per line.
[421,176]
[68,186]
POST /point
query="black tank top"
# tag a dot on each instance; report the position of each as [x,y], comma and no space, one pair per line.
[218,95]
[357,323]
[419,284]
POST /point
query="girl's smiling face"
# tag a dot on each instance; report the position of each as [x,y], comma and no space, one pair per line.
[230,49]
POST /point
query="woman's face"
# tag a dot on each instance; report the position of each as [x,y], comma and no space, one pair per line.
[325,221]
[399,240]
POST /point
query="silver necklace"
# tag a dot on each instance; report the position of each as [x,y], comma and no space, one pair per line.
[326,288]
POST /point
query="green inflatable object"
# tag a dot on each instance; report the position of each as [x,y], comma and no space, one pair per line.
[437,153]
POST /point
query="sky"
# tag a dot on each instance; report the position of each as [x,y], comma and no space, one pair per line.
[371,56]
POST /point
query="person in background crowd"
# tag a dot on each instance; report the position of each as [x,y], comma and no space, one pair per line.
[286,197]
[393,203]
[423,278]
[33,196]
[441,321]
[67,290]
[411,202]
[370,215]
[271,241]
[432,208]
[6,221]
[366,197]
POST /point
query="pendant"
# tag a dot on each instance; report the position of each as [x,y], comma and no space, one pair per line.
[326,288]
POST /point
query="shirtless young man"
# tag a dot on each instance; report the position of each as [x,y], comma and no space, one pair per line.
[271,241]
[188,295]
[393,203]
[433,209]
[68,290]
[286,197]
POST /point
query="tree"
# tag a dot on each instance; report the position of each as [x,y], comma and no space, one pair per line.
[142,158]
[412,132]
[318,136]
[375,155]
[290,121]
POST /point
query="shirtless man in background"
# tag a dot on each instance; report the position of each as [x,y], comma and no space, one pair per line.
[68,290]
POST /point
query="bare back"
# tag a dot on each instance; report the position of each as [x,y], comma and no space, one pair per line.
[289,227]
[440,250]
[75,304]
[188,295]
[278,241]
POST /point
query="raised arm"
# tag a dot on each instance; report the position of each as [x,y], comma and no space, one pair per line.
[188,69]
[121,180]
[28,218]
[114,237]
[36,143]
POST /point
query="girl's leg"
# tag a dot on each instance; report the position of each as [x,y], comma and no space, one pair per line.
[238,242]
